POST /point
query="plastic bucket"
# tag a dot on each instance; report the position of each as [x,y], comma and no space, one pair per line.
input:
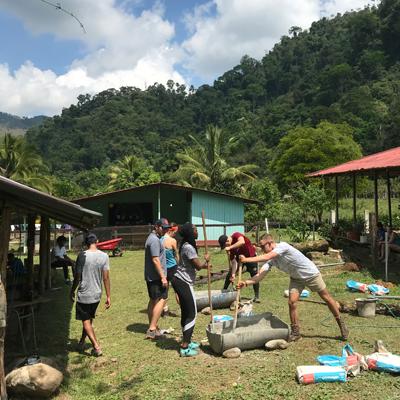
[366,307]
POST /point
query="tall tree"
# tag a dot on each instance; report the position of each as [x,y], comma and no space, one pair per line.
[307,149]
[204,165]
[131,171]
[21,162]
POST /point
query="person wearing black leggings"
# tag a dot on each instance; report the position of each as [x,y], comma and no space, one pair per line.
[183,281]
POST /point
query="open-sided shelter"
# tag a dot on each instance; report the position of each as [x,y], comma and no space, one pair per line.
[15,197]
[385,164]
[144,204]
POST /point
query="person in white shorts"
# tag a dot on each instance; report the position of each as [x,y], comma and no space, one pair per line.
[303,273]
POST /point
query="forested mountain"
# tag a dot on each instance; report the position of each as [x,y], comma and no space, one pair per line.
[11,122]
[342,72]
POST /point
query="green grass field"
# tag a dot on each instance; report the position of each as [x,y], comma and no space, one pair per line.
[133,368]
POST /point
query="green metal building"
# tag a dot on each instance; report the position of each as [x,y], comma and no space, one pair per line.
[144,204]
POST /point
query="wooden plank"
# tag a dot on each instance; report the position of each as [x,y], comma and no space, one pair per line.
[44,254]
[31,251]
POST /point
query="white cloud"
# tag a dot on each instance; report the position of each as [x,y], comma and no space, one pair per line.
[332,7]
[121,50]
[251,27]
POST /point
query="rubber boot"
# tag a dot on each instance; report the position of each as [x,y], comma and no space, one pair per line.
[294,334]
[344,331]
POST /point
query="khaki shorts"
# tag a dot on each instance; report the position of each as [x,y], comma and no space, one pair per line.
[315,284]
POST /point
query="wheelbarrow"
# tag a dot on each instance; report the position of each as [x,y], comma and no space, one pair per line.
[111,246]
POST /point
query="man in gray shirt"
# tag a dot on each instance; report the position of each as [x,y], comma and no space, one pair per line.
[155,275]
[303,273]
[92,268]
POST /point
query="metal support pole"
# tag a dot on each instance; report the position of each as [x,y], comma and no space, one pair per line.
[354,199]
[376,198]
[337,198]
[389,196]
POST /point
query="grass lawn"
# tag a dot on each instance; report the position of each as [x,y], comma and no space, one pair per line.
[134,368]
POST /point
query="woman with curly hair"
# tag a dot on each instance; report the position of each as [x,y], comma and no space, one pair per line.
[182,283]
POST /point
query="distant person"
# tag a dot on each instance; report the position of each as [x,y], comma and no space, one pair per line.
[236,245]
[303,273]
[171,256]
[155,275]
[92,268]
[60,258]
[380,232]
[393,243]
[15,265]
[183,282]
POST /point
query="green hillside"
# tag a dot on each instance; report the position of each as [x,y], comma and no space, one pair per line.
[344,70]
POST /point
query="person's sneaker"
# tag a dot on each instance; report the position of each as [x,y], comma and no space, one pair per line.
[194,345]
[188,352]
[256,300]
[96,352]
[153,335]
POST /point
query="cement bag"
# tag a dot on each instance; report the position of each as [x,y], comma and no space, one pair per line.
[378,290]
[347,359]
[387,362]
[356,286]
[307,374]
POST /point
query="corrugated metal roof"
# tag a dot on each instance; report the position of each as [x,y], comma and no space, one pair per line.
[171,185]
[387,159]
[25,198]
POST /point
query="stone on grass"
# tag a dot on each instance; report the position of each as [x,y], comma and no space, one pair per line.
[234,352]
[38,380]
[206,311]
[276,344]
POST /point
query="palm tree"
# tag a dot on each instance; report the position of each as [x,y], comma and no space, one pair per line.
[21,162]
[204,165]
[129,172]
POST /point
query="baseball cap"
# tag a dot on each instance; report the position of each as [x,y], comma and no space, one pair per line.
[163,222]
[222,241]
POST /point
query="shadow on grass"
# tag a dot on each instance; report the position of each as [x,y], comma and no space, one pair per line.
[167,343]
[137,327]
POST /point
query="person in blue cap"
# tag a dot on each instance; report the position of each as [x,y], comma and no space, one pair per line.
[155,275]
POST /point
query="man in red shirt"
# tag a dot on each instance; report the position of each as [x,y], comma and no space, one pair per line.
[235,245]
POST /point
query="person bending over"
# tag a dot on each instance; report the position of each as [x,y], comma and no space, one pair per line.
[236,245]
[183,281]
[303,273]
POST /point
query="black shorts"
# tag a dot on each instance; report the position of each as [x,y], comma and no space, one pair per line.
[171,272]
[85,311]
[156,290]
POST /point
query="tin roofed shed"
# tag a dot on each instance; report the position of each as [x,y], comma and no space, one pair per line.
[144,204]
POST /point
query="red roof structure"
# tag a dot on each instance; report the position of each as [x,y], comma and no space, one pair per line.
[383,162]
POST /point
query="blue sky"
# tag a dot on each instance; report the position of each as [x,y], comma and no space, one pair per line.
[47,60]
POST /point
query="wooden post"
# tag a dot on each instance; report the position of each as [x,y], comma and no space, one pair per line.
[376,198]
[354,199]
[31,252]
[4,242]
[389,196]
[44,253]
[337,198]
